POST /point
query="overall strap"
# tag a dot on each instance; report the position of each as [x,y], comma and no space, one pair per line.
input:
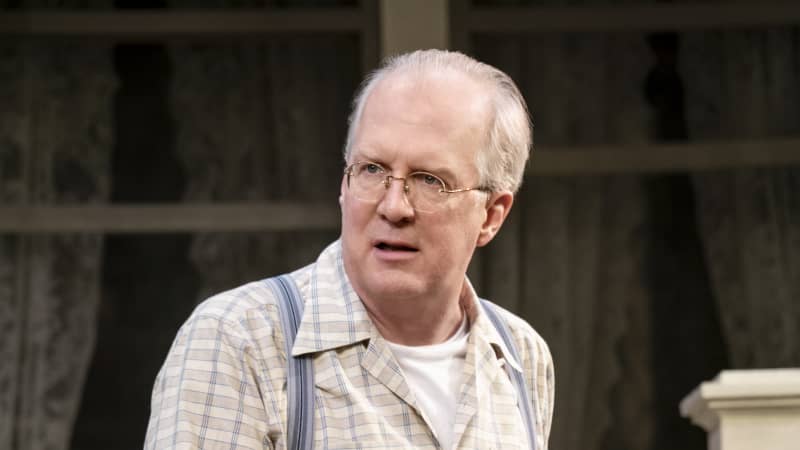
[299,370]
[517,378]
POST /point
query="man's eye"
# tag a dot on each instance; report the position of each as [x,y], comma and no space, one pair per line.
[372,168]
[430,179]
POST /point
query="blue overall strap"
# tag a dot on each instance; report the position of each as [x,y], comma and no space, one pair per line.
[299,370]
[517,378]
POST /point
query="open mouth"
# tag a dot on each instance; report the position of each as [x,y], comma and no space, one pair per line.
[394,247]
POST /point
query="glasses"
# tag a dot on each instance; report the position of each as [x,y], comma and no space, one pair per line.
[425,191]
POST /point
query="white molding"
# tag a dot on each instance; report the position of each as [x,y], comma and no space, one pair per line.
[748,409]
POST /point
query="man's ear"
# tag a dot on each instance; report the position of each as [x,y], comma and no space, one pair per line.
[497,208]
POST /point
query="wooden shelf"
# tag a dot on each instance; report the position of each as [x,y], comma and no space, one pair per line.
[655,17]
[149,24]
[169,218]
[254,217]
[141,24]
[665,158]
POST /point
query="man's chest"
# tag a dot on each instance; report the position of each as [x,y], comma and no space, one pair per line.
[363,401]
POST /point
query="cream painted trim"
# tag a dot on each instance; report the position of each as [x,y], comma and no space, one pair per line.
[748,409]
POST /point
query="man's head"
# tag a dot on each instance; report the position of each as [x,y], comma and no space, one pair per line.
[501,161]
[435,151]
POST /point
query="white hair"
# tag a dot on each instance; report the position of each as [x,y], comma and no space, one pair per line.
[501,164]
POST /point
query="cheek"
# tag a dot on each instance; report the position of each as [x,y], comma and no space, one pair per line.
[465,220]
[456,234]
[355,217]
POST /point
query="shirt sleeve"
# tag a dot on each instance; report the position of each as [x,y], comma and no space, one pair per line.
[208,393]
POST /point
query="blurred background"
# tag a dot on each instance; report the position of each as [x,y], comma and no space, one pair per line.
[155,152]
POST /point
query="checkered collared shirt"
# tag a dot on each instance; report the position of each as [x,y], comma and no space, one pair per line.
[223,384]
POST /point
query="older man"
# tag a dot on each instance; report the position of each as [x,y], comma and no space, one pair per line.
[403,353]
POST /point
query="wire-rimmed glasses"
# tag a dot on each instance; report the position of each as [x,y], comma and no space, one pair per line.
[426,192]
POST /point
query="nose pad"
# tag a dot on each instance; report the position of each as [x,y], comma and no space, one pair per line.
[403,187]
[392,206]
[387,183]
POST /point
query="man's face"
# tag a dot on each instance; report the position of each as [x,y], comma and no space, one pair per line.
[436,124]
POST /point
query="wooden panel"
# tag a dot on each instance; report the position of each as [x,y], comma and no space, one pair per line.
[459,33]
[631,17]
[158,24]
[169,218]
[370,36]
[413,24]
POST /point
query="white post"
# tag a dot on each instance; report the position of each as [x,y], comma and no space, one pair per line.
[748,409]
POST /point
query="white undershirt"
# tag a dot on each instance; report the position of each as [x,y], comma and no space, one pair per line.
[434,374]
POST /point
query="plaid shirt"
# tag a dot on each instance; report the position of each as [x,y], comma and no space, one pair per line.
[223,384]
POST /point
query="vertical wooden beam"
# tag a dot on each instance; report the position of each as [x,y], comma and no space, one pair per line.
[370,36]
[413,24]
[459,31]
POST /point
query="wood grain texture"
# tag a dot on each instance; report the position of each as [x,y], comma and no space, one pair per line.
[149,24]
[170,218]
[507,19]
[633,16]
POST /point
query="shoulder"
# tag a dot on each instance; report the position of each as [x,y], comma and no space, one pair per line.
[245,313]
[232,304]
[254,300]
[238,309]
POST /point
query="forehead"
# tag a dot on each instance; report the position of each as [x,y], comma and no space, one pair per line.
[437,118]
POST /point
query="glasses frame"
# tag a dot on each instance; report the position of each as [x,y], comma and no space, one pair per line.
[389,178]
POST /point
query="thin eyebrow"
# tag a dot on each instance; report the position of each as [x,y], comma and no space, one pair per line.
[364,158]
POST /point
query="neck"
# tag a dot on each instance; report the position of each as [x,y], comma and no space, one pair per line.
[418,321]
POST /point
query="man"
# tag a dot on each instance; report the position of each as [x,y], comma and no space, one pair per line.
[403,353]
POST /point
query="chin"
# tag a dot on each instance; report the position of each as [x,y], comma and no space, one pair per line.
[396,286]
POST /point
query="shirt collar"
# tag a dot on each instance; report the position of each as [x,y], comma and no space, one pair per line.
[481,325]
[334,315]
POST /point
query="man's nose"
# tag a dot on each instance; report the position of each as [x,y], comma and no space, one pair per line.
[395,205]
